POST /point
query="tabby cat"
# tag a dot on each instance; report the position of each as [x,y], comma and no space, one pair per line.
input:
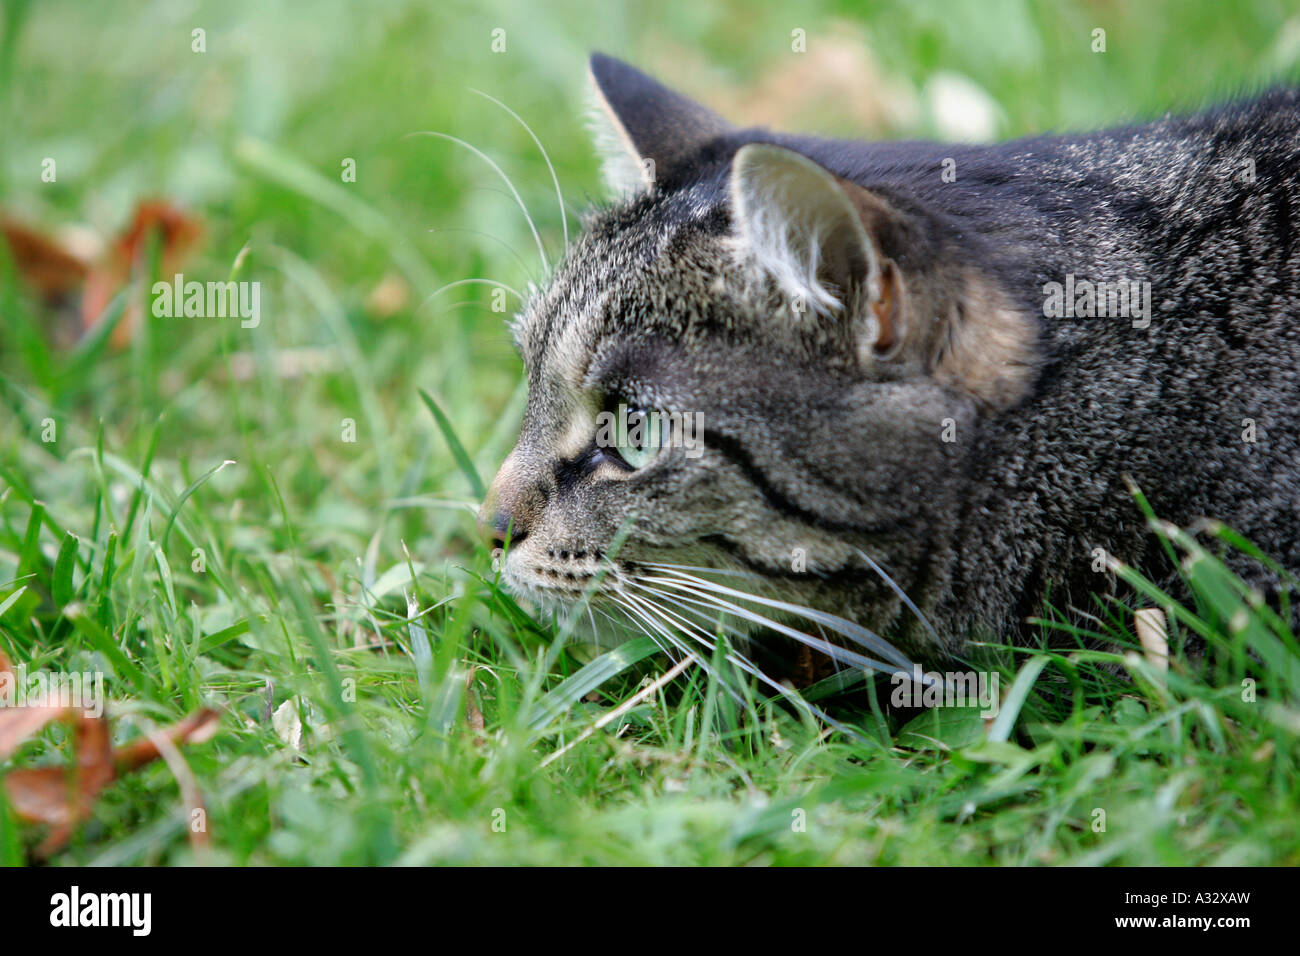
[923,374]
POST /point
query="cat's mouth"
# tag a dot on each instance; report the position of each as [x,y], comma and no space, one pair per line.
[691,612]
[565,572]
[560,578]
[685,608]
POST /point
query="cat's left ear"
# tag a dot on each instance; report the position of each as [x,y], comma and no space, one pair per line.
[645,131]
[798,224]
[823,240]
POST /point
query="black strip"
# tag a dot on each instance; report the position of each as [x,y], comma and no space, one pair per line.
[734,452]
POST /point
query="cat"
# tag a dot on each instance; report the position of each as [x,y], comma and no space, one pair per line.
[925,374]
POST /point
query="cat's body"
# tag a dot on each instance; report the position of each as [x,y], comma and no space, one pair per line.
[861,327]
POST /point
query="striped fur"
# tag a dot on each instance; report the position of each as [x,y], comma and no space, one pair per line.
[980,456]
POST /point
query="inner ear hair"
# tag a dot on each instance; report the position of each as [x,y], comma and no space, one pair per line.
[796,225]
[823,239]
[887,313]
[987,347]
[621,166]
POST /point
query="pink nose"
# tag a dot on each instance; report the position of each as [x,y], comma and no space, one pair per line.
[511,503]
[494,525]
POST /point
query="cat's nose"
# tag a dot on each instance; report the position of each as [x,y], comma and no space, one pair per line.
[504,510]
[494,525]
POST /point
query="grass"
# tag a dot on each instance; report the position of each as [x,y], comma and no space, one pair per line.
[339,584]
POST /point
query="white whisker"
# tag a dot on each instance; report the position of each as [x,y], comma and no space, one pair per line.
[839,625]
[743,663]
[733,572]
[459,282]
[559,196]
[853,658]
[486,235]
[871,563]
[541,250]
[901,595]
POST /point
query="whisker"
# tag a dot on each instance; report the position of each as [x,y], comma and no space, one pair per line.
[733,572]
[698,633]
[833,651]
[486,235]
[871,563]
[640,619]
[541,250]
[901,595]
[839,625]
[459,282]
[743,663]
[735,658]
[559,196]
[696,618]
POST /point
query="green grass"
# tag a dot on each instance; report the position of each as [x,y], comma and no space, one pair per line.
[280,583]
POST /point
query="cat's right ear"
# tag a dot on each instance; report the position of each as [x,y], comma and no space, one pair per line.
[644,131]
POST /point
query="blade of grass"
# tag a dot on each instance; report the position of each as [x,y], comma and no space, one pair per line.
[1000,732]
[457,449]
[587,678]
[61,585]
[194,486]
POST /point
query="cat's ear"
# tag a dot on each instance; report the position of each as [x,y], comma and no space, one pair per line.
[644,131]
[818,237]
[799,225]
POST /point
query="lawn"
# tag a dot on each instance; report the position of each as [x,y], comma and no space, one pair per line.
[269,519]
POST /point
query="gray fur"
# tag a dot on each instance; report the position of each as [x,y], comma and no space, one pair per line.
[814,444]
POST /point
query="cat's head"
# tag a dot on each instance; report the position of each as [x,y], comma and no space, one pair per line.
[749,364]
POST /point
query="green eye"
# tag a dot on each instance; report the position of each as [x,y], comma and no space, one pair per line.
[640,436]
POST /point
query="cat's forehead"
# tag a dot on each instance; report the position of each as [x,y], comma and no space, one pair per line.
[635,270]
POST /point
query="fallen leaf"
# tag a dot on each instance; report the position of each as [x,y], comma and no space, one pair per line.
[18,724]
[47,267]
[176,231]
[197,728]
[61,797]
[61,269]
[288,725]
[58,797]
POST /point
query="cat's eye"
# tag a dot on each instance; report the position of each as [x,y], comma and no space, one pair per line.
[638,435]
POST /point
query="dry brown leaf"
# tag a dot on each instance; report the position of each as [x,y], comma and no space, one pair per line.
[60,797]
[177,233]
[55,270]
[194,729]
[18,724]
[48,268]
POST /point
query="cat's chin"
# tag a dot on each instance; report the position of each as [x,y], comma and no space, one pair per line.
[591,627]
